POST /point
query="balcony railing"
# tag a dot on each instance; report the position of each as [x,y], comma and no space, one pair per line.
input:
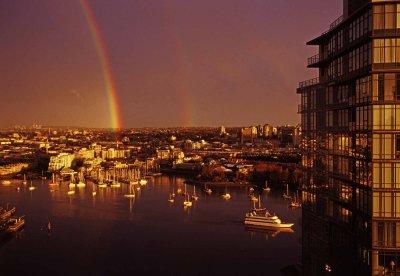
[310,82]
[301,108]
[335,23]
[313,60]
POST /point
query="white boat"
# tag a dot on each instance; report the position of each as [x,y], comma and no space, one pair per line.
[24,181]
[226,195]
[295,202]
[102,185]
[31,188]
[194,196]
[187,203]
[266,188]
[171,199]
[143,182]
[265,220]
[259,208]
[71,192]
[131,194]
[207,190]
[94,192]
[286,195]
[53,183]
[253,198]
[81,184]
[115,185]
[184,193]
[6,182]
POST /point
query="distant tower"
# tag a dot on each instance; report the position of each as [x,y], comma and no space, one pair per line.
[222,131]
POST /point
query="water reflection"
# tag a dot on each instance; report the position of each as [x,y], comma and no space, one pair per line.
[267,232]
[101,229]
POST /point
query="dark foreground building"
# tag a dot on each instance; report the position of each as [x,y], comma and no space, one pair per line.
[350,119]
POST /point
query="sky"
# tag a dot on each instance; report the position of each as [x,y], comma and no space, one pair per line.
[173,62]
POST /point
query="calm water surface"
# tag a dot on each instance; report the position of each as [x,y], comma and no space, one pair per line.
[112,235]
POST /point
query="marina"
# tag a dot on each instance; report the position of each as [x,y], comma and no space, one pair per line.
[159,229]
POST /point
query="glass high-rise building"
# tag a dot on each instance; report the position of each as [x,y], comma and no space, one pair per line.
[350,118]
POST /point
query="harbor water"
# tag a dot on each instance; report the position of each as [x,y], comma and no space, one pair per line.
[109,234]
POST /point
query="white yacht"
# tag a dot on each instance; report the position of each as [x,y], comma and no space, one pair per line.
[265,220]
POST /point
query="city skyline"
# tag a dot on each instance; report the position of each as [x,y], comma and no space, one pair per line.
[172,63]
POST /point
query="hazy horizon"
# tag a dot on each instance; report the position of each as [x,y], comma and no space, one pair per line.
[173,63]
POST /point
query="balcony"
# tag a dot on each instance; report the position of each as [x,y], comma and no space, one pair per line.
[301,108]
[313,60]
[335,23]
[310,82]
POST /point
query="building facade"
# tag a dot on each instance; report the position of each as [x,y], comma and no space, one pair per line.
[350,118]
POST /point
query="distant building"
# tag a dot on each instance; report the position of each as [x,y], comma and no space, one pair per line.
[248,134]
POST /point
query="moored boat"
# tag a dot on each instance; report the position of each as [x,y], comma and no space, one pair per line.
[15,224]
[6,213]
[6,182]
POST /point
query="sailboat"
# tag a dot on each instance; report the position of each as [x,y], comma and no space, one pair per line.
[207,190]
[31,188]
[24,181]
[226,195]
[253,198]
[53,183]
[131,194]
[72,183]
[266,188]
[94,193]
[184,193]
[286,195]
[187,203]
[115,183]
[295,202]
[81,184]
[194,196]
[259,208]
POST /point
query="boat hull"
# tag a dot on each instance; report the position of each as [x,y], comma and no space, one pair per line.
[267,224]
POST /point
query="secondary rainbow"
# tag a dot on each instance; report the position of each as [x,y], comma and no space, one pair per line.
[109,83]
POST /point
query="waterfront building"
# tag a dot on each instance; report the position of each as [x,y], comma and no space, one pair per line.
[350,118]
[63,160]
[13,168]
